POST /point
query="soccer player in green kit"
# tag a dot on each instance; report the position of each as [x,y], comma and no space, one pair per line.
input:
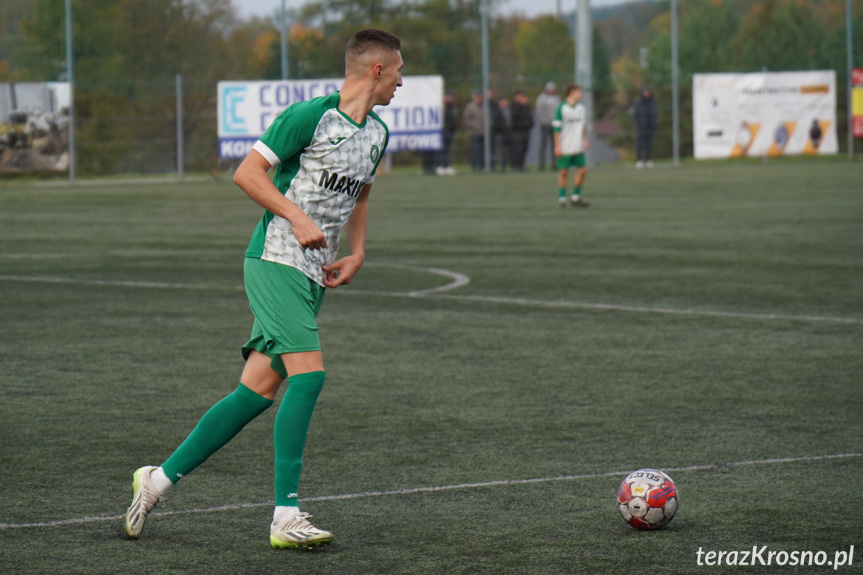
[326,151]
[570,144]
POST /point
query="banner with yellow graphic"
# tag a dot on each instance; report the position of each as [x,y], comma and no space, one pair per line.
[857,102]
[768,114]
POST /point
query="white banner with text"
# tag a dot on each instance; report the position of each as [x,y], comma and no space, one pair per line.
[764,114]
[246,110]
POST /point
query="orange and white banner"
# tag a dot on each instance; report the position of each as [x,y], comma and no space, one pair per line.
[764,114]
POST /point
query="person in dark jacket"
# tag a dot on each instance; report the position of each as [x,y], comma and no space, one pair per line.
[645,116]
[503,134]
[450,125]
[473,122]
[498,125]
[522,123]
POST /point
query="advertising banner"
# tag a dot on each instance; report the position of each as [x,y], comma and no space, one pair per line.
[857,102]
[764,114]
[246,110]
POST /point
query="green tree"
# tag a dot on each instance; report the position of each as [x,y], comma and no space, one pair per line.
[705,32]
[545,51]
[438,36]
[13,61]
[779,35]
[603,83]
[126,59]
[706,29]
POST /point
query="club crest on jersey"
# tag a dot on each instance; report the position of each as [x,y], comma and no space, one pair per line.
[374,154]
[341,184]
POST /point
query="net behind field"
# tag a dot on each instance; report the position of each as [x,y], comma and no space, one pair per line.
[127,59]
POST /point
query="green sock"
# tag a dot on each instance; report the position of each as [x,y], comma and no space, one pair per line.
[561,192]
[216,428]
[289,434]
[577,191]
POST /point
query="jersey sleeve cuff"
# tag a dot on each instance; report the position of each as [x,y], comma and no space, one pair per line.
[265,151]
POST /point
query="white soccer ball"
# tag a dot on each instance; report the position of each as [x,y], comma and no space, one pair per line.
[647,499]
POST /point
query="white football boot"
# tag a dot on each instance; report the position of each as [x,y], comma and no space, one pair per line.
[293,531]
[145,496]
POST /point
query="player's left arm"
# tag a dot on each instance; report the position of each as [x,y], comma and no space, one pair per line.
[342,271]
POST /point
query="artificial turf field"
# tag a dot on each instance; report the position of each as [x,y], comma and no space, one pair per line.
[706,320]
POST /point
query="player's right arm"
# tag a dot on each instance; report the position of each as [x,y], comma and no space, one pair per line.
[253,179]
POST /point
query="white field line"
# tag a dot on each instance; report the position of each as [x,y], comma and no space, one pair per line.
[458,280]
[115,283]
[435,489]
[638,309]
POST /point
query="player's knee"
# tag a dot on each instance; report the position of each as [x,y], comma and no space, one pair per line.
[306,386]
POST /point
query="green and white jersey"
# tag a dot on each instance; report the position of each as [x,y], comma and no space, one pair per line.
[324,159]
[570,122]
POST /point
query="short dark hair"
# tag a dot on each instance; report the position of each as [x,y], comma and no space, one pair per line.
[370,39]
[570,88]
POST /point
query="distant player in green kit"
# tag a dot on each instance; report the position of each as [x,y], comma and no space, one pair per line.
[327,151]
[570,143]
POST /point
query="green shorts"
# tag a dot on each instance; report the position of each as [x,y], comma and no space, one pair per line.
[285,303]
[572,161]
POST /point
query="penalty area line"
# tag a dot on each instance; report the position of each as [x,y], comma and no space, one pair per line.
[438,488]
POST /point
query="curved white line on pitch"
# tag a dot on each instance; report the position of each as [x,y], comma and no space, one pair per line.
[458,280]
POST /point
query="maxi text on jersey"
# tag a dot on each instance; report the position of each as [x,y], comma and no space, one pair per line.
[341,184]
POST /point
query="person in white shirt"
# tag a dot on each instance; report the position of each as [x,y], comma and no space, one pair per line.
[570,143]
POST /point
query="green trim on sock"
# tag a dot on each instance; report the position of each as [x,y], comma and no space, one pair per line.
[289,432]
[561,192]
[577,191]
[215,428]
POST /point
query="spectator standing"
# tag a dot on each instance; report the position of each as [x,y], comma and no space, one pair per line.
[429,159]
[815,133]
[450,125]
[496,125]
[503,133]
[645,116]
[521,122]
[472,121]
[546,106]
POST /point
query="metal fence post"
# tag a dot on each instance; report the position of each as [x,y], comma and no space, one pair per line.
[180,152]
[486,106]
[284,42]
[849,47]
[675,104]
[70,77]
[584,67]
